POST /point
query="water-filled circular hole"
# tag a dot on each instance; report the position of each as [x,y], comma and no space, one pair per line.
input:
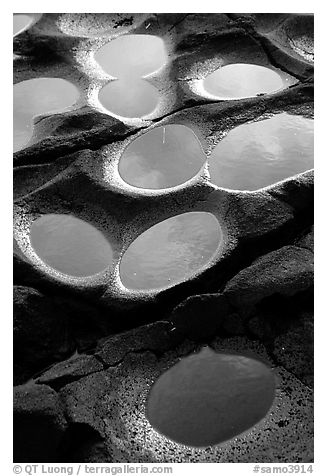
[129,97]
[236,81]
[70,245]
[208,398]
[171,251]
[132,55]
[21,21]
[163,157]
[261,153]
[39,96]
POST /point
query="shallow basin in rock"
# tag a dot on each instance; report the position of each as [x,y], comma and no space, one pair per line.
[70,245]
[163,157]
[241,80]
[129,97]
[132,55]
[171,251]
[35,97]
[208,398]
[258,154]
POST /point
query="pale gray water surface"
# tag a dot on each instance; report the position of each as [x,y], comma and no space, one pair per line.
[171,251]
[132,56]
[35,97]
[240,80]
[258,154]
[21,21]
[129,97]
[129,58]
[208,398]
[163,157]
[70,245]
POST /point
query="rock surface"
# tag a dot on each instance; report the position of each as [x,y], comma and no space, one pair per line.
[41,333]
[39,424]
[307,241]
[286,272]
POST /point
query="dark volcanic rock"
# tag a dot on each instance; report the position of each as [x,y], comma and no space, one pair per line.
[307,241]
[277,315]
[258,216]
[199,317]
[41,333]
[299,194]
[81,443]
[287,271]
[49,329]
[87,400]
[294,348]
[24,271]
[39,424]
[70,370]
[233,325]
[157,337]
[28,178]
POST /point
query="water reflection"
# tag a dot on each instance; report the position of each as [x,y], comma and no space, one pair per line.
[129,97]
[259,154]
[163,157]
[70,245]
[129,58]
[38,96]
[21,21]
[208,398]
[132,55]
[236,81]
[171,251]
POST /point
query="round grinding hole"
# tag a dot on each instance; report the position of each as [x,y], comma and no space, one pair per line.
[39,96]
[129,97]
[163,157]
[262,153]
[21,22]
[132,55]
[208,398]
[236,81]
[171,251]
[70,245]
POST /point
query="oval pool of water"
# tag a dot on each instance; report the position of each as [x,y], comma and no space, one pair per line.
[171,251]
[208,398]
[39,96]
[163,157]
[21,21]
[132,55]
[236,81]
[70,245]
[262,153]
[129,97]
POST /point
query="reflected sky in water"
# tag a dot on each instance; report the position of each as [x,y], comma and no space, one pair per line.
[208,398]
[132,55]
[236,81]
[39,96]
[129,97]
[256,155]
[21,22]
[170,251]
[70,245]
[163,157]
[129,58]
